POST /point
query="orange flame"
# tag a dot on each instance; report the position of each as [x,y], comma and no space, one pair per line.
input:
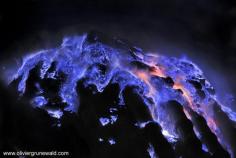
[156,71]
[146,78]
[186,93]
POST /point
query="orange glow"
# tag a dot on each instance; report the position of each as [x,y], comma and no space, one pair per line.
[186,93]
[212,124]
[145,77]
[156,71]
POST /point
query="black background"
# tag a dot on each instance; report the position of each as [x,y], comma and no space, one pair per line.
[204,31]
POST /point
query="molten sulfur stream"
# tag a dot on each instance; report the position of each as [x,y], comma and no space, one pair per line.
[145,76]
[211,122]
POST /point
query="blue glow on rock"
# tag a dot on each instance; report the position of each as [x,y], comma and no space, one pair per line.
[55,113]
[204,148]
[111,141]
[151,151]
[100,140]
[112,110]
[104,121]
[142,124]
[170,138]
[39,101]
[113,118]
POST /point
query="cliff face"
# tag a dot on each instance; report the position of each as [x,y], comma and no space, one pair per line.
[100,97]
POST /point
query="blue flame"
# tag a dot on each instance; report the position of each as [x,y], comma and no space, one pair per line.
[101,64]
[151,151]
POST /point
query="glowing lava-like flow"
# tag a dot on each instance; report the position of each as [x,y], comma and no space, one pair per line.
[144,76]
[186,94]
[159,78]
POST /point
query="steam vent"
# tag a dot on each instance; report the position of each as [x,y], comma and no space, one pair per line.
[99,97]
